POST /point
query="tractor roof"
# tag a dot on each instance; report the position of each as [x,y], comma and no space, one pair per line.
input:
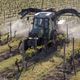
[44,14]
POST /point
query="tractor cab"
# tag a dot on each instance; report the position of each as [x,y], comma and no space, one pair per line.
[42,25]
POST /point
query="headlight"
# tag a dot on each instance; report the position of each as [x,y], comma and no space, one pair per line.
[33,38]
[36,38]
[30,38]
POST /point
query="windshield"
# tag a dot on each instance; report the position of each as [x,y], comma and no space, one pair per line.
[41,22]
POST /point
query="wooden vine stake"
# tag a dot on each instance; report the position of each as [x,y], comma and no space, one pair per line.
[64,71]
[23,56]
[67,33]
[73,57]
[10,21]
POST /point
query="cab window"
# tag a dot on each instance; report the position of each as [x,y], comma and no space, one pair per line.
[41,22]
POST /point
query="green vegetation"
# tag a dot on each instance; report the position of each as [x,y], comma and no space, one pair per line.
[4,37]
[5,47]
[30,52]
[41,68]
[6,64]
[76,77]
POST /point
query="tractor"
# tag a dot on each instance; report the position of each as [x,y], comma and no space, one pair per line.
[44,25]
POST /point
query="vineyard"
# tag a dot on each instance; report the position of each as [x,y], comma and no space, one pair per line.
[9,8]
[61,62]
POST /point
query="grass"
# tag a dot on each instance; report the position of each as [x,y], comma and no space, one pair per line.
[3,37]
[76,77]
[40,69]
[6,64]
[5,47]
[69,48]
